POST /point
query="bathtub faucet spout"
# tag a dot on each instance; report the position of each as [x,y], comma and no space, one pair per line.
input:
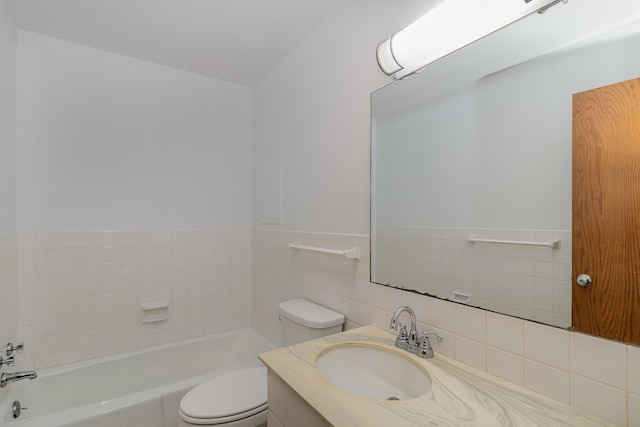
[7,378]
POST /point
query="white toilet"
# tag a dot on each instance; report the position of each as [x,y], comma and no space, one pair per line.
[239,398]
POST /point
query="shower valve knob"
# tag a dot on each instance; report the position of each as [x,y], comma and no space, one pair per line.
[10,348]
[8,361]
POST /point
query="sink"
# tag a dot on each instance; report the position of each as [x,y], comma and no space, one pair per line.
[373,372]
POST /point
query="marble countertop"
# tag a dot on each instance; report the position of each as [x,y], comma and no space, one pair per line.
[459,396]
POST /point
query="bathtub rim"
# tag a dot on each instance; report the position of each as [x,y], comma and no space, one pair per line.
[52,370]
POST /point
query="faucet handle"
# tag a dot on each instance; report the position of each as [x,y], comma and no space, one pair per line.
[403,337]
[10,348]
[8,361]
[393,324]
[435,335]
[424,349]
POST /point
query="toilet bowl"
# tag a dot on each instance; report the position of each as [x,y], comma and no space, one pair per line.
[235,399]
[239,398]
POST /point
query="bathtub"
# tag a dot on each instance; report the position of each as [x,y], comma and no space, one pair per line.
[136,389]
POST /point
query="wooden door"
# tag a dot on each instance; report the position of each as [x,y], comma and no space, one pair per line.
[606,211]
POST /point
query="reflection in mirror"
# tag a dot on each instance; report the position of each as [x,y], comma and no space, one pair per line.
[486,157]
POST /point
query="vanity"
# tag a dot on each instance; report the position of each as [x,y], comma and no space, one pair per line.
[457,394]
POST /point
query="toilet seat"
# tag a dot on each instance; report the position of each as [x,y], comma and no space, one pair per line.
[229,397]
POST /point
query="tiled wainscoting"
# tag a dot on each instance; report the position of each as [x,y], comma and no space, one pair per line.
[281,273]
[80,294]
[532,282]
[599,376]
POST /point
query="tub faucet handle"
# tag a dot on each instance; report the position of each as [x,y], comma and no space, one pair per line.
[10,348]
[8,361]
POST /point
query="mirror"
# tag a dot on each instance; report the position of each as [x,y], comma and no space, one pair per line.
[471,167]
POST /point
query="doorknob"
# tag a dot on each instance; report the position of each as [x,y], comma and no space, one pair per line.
[584,280]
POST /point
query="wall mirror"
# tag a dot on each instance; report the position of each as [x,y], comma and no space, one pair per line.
[472,166]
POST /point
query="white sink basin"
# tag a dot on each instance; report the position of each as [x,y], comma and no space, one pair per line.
[373,372]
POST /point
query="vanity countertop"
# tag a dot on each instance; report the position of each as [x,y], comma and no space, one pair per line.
[459,396]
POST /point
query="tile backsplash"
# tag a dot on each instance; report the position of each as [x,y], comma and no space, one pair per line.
[80,294]
[593,374]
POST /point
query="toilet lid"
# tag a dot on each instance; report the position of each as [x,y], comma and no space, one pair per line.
[234,395]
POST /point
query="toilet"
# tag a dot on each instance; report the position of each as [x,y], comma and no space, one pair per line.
[239,398]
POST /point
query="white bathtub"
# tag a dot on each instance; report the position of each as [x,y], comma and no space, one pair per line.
[136,389]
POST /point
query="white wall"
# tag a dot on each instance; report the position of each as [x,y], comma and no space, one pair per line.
[8,239]
[133,187]
[7,120]
[311,118]
[107,142]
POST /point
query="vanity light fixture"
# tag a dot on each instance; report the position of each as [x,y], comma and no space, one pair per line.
[448,27]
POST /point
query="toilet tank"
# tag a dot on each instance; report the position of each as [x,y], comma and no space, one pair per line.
[302,320]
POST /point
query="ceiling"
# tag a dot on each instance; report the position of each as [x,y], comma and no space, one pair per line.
[235,40]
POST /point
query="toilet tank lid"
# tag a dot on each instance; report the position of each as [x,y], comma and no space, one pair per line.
[310,314]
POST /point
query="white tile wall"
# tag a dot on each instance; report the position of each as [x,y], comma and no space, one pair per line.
[525,281]
[634,370]
[341,284]
[606,401]
[471,352]
[505,333]
[471,323]
[539,340]
[545,379]
[603,361]
[505,365]
[80,293]
[633,403]
[597,375]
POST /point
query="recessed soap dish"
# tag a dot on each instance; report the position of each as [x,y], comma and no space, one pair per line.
[155,311]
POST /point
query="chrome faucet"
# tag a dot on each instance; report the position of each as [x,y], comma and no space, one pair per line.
[7,378]
[405,339]
[409,340]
